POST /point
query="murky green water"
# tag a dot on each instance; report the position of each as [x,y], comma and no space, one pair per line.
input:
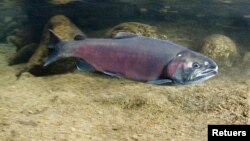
[228,17]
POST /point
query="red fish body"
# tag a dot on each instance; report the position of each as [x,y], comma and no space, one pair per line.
[129,57]
[138,58]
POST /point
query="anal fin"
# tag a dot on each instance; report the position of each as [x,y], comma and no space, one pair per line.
[83,65]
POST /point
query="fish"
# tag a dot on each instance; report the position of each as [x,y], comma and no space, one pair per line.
[139,58]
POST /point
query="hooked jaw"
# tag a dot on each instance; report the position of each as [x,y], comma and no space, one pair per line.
[202,75]
[188,73]
[190,67]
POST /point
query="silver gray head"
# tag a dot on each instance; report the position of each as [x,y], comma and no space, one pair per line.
[189,67]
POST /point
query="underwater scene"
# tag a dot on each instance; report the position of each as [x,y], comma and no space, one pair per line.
[118,70]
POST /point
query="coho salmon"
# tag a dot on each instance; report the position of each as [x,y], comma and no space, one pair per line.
[135,57]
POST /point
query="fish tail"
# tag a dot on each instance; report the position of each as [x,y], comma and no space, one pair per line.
[53,47]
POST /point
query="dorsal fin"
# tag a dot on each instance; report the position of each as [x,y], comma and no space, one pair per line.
[122,35]
[79,37]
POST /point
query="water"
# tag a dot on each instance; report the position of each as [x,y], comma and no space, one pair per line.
[61,103]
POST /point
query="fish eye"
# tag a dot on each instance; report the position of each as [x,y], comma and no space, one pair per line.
[196,65]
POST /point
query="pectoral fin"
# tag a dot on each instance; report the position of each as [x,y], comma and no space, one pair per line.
[160,81]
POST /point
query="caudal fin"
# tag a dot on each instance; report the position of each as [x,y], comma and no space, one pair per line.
[53,48]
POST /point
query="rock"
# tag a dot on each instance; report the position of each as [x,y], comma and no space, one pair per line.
[246,65]
[59,67]
[24,36]
[66,30]
[23,55]
[133,27]
[16,41]
[26,75]
[221,48]
[246,60]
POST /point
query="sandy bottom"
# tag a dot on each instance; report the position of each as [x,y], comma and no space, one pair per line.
[82,106]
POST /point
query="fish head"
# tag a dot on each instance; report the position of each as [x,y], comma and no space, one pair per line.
[190,67]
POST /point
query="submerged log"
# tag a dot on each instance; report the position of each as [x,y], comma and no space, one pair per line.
[66,30]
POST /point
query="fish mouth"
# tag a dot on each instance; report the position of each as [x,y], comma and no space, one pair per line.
[204,75]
